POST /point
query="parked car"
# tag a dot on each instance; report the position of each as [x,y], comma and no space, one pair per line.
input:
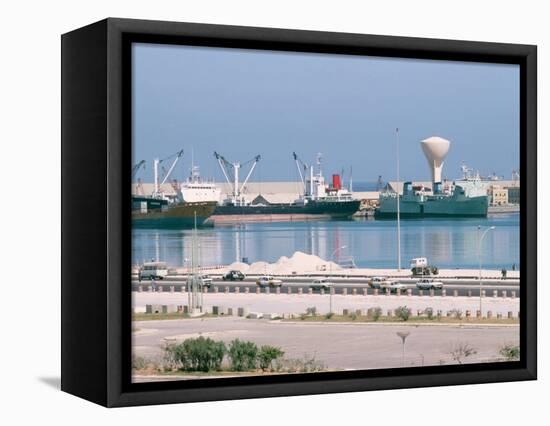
[427,284]
[269,280]
[152,271]
[320,284]
[233,276]
[393,286]
[377,282]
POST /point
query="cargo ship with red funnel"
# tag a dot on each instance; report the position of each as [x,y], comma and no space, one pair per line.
[317,201]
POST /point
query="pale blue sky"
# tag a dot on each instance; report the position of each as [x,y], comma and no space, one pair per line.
[246,102]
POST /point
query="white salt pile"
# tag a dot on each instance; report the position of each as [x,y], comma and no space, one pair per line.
[299,263]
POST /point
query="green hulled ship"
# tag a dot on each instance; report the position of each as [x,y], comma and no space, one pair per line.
[466,198]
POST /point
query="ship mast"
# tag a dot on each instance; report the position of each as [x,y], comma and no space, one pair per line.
[232,170]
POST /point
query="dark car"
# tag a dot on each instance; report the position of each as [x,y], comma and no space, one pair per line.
[233,276]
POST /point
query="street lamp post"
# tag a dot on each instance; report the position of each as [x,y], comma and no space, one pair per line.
[331,262]
[479,258]
[403,335]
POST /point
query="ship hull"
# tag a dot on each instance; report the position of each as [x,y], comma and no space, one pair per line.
[178,216]
[440,207]
[313,210]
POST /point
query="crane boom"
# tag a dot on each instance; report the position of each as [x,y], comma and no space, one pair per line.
[136,168]
[231,174]
[171,169]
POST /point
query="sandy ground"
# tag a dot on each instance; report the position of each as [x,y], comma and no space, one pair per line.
[337,345]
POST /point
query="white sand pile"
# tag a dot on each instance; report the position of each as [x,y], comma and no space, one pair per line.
[299,263]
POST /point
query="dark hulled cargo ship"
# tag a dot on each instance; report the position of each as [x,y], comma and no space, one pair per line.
[154,213]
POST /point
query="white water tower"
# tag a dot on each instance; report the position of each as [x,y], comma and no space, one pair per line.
[435,149]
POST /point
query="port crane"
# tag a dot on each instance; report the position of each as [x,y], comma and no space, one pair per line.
[301,165]
[136,168]
[157,163]
[231,173]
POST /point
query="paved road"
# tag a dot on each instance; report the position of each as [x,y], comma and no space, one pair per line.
[339,346]
[463,287]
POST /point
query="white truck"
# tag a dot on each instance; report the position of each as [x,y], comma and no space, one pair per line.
[152,271]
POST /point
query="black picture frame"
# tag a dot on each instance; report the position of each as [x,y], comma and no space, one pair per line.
[96,144]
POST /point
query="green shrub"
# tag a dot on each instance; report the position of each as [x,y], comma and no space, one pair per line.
[311,311]
[353,316]
[510,352]
[403,313]
[267,355]
[198,354]
[456,313]
[242,355]
[329,315]
[376,313]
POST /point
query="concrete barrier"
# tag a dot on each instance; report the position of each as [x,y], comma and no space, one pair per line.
[376,291]
[258,290]
[513,294]
[409,292]
[469,293]
[242,312]
[421,292]
[150,288]
[322,291]
[140,289]
[443,293]
[205,290]
[365,291]
[182,289]
[489,314]
[354,291]
[289,290]
[160,289]
[216,289]
[504,294]
[255,315]
[455,293]
[495,293]
[432,293]
[237,290]
[300,290]
[388,292]
[246,290]
[332,290]
[483,293]
[226,291]
[398,292]
[278,290]
[345,291]
[229,311]
[267,290]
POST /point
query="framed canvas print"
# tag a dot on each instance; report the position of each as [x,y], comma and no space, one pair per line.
[255,212]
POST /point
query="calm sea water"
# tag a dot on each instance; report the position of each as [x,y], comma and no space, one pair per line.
[371,243]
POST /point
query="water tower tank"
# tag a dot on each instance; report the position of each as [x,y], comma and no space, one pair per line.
[435,149]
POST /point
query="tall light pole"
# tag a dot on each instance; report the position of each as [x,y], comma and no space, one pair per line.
[330,289]
[398,202]
[480,240]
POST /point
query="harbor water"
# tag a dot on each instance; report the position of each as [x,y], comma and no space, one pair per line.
[447,243]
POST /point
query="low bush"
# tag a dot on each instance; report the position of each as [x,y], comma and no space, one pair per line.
[403,313]
[242,355]
[267,355]
[198,354]
[510,352]
[329,315]
[311,311]
[376,313]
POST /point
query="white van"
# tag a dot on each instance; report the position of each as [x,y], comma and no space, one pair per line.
[152,270]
